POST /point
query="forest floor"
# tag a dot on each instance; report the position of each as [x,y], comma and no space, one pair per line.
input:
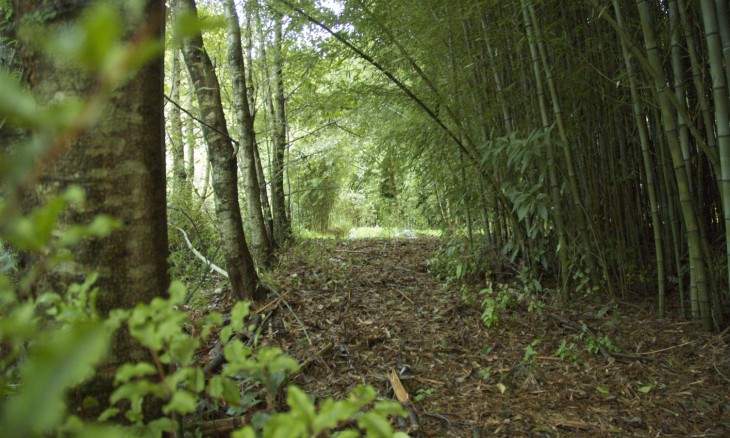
[363,311]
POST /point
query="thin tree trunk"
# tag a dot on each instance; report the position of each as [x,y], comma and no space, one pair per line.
[239,263]
[260,244]
[175,135]
[282,223]
[190,140]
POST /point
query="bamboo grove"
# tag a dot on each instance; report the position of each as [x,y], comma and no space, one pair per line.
[588,139]
[585,141]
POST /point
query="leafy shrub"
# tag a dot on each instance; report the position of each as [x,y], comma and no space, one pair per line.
[52,341]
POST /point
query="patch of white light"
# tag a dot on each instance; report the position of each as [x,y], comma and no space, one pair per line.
[333,5]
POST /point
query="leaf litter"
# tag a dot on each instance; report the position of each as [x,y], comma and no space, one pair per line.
[368,311]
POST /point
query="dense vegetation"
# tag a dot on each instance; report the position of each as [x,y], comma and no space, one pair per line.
[582,147]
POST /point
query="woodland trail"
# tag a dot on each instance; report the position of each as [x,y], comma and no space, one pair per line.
[375,303]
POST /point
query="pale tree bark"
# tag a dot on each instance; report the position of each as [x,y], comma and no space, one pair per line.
[189,136]
[120,163]
[282,223]
[260,243]
[239,263]
[175,133]
[263,192]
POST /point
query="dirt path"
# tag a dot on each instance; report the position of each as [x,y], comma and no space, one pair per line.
[376,304]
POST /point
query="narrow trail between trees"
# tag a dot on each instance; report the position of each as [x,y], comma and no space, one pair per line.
[362,310]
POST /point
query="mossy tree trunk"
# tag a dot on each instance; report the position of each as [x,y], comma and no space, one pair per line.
[261,246]
[120,163]
[239,263]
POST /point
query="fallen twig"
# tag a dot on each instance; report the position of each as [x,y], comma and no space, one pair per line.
[318,355]
[211,265]
[286,303]
[219,427]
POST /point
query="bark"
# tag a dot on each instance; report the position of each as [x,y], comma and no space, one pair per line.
[120,163]
[260,243]
[282,223]
[190,139]
[175,134]
[239,263]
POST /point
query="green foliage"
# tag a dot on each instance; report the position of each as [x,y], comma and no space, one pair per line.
[454,261]
[304,419]
[594,344]
[583,282]
[51,342]
[54,341]
[530,354]
[566,352]
[422,393]
[492,305]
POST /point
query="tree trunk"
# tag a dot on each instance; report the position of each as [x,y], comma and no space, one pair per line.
[260,244]
[282,224]
[239,263]
[120,163]
[175,134]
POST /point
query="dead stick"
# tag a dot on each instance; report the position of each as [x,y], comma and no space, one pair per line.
[324,350]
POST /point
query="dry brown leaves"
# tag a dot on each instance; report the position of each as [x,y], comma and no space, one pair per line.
[376,303]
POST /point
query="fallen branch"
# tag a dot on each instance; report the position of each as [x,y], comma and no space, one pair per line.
[211,265]
[318,355]
[286,303]
[220,427]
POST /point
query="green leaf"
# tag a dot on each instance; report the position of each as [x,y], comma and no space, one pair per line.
[221,387]
[300,404]
[376,426]
[136,390]
[182,402]
[129,371]
[177,292]
[246,432]
[59,361]
[103,226]
[17,103]
[236,352]
[183,349]
[646,389]
[239,313]
[389,407]
[331,413]
[283,363]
